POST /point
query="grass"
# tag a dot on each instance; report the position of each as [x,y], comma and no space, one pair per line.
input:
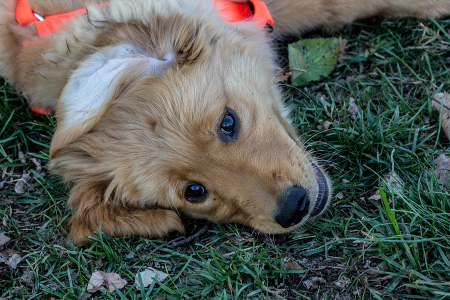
[394,247]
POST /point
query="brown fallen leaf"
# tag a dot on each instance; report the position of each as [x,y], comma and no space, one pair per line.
[341,54]
[101,280]
[283,75]
[292,265]
[4,241]
[444,102]
[10,252]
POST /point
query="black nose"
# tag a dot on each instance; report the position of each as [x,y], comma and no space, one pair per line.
[293,206]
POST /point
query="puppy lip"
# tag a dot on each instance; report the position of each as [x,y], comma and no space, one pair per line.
[323,191]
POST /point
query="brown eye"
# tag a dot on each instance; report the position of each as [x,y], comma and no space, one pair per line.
[195,192]
[228,126]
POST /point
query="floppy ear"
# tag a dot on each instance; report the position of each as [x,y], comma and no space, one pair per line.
[95,84]
[115,220]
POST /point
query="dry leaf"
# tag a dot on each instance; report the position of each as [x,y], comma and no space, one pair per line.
[37,162]
[95,281]
[4,240]
[292,265]
[10,252]
[28,277]
[98,263]
[444,98]
[19,187]
[343,282]
[310,285]
[341,54]
[395,183]
[362,244]
[352,109]
[283,75]
[313,283]
[373,271]
[442,169]
[148,275]
[100,279]
[324,125]
[14,261]
[318,280]
[367,264]
[22,157]
[376,196]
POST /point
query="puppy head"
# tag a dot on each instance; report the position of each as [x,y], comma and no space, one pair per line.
[188,118]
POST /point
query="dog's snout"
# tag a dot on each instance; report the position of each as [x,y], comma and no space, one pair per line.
[293,206]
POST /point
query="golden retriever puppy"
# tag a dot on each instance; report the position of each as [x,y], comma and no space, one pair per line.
[164,108]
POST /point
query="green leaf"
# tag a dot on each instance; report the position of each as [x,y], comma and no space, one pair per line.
[312,59]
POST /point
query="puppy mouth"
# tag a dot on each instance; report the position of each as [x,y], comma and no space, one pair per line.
[323,192]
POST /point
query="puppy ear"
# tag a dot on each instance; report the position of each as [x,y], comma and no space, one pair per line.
[95,84]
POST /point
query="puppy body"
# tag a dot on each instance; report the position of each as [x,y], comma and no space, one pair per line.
[142,89]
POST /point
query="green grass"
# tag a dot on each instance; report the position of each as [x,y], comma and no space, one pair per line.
[397,247]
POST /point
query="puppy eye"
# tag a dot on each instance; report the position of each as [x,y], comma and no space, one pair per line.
[195,192]
[228,126]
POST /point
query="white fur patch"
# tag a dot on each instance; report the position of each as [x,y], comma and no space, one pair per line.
[286,113]
[91,85]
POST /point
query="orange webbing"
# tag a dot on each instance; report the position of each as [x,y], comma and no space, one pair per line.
[25,15]
[237,12]
[41,110]
[229,11]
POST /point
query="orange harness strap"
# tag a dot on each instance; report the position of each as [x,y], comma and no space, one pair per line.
[252,11]
[44,25]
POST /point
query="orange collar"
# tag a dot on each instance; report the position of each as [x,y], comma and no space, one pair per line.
[44,25]
[252,11]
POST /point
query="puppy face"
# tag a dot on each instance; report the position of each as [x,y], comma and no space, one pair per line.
[199,130]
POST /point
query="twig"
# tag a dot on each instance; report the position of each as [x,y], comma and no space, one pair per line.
[192,237]
[160,246]
[440,103]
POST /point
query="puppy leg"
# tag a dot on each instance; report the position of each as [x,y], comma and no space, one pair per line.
[119,220]
[297,16]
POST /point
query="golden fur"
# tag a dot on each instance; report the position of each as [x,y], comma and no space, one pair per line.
[154,129]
